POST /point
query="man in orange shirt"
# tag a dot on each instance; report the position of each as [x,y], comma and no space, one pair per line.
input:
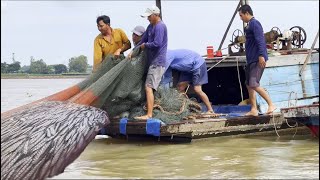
[109,41]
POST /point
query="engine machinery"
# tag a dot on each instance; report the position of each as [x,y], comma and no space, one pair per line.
[294,38]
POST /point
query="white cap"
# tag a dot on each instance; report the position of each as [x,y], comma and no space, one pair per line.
[151,10]
[138,30]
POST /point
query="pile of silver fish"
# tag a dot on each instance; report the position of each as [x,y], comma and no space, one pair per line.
[41,141]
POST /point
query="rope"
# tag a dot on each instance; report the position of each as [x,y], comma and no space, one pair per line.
[289,98]
[296,124]
[239,80]
[274,124]
[192,105]
[290,125]
[296,130]
[172,113]
[209,70]
[187,90]
[289,105]
[217,63]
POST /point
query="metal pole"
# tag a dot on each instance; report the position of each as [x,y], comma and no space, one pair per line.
[158,4]
[309,54]
[226,32]
[244,2]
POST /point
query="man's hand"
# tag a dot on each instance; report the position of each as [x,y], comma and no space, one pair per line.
[142,46]
[130,55]
[262,62]
[117,53]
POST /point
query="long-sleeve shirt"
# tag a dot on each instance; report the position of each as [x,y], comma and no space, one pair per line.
[156,42]
[255,42]
[183,60]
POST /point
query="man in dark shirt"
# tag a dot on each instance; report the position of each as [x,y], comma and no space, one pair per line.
[256,55]
[155,41]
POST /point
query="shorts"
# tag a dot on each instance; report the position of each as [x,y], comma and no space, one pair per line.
[253,74]
[197,77]
[154,76]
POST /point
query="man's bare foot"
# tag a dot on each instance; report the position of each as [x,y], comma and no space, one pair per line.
[145,117]
[271,109]
[252,113]
[210,112]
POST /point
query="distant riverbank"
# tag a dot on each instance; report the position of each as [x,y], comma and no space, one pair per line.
[43,76]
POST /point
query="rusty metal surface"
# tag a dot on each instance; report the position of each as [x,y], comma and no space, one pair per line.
[301,111]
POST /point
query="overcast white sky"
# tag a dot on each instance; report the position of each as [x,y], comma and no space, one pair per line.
[58,30]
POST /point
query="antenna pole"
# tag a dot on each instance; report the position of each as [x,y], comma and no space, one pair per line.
[226,32]
[158,4]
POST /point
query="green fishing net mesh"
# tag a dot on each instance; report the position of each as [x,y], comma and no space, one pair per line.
[119,85]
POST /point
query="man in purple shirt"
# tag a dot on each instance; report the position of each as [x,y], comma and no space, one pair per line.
[155,41]
[193,71]
[256,55]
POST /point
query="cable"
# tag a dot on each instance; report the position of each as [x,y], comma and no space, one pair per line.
[274,124]
[209,70]
[239,80]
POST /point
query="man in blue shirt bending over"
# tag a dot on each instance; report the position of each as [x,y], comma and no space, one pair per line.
[155,41]
[256,55]
[193,71]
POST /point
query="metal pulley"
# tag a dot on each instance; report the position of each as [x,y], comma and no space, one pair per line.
[299,36]
[237,36]
[237,43]
[272,35]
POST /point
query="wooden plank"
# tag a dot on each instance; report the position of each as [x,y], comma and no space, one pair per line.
[248,121]
[209,128]
[242,129]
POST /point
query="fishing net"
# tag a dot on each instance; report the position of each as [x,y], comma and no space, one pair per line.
[40,141]
[170,106]
[118,88]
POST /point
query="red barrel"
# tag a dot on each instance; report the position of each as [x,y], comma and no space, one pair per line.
[210,52]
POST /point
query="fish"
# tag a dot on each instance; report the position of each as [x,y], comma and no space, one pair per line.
[40,141]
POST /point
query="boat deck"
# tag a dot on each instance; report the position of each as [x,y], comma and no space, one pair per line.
[188,130]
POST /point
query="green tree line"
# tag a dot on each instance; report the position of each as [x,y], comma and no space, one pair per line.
[77,64]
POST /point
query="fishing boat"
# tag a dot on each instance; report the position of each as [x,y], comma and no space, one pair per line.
[226,89]
[67,127]
[307,115]
[291,77]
